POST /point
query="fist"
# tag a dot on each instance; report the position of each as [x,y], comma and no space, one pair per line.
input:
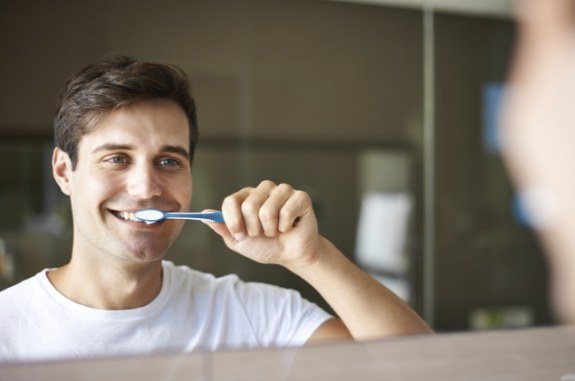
[270,224]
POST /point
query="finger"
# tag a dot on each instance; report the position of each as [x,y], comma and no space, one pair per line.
[251,207]
[295,207]
[231,209]
[221,230]
[270,210]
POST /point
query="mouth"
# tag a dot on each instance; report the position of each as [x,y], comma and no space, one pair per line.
[130,217]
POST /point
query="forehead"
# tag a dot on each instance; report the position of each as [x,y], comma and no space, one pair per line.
[146,124]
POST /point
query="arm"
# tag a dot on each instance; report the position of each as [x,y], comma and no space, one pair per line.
[539,134]
[276,224]
[368,309]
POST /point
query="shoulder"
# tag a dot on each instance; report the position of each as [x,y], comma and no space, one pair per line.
[15,293]
[19,300]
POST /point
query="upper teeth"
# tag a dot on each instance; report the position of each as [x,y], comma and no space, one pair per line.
[128,216]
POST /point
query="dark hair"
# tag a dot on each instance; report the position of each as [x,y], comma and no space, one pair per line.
[114,82]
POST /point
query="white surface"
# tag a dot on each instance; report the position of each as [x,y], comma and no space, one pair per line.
[497,8]
[382,231]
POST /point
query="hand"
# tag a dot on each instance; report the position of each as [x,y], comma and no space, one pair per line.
[272,224]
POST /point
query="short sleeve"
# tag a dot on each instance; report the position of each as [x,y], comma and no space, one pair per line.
[279,317]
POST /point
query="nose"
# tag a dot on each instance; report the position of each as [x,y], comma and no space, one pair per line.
[143,182]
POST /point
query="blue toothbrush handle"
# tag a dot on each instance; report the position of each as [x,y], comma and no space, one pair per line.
[212,216]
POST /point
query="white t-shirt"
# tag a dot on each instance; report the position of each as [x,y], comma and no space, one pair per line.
[192,311]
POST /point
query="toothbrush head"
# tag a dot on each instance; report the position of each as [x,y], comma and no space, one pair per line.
[149,216]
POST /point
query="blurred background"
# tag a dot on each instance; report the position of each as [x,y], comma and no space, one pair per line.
[384,111]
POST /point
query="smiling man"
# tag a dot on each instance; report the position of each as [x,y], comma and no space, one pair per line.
[133,159]
[125,135]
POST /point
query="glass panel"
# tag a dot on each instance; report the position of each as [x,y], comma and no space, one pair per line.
[35,227]
[489,269]
[323,95]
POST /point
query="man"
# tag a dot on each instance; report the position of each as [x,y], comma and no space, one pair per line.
[539,135]
[125,136]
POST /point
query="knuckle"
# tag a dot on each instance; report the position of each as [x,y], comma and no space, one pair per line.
[267,184]
[229,201]
[285,187]
[244,193]
[301,195]
[248,207]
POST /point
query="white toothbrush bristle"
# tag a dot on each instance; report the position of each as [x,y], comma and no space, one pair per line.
[149,215]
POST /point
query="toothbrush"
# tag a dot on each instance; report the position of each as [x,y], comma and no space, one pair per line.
[151,216]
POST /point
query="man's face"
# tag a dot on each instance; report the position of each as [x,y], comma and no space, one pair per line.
[137,157]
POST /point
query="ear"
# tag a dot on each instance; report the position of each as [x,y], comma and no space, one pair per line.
[62,170]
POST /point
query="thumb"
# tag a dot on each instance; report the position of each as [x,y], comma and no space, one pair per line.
[220,229]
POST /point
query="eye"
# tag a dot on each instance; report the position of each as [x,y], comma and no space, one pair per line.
[116,159]
[168,162]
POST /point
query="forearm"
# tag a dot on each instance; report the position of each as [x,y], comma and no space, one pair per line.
[260,225]
[367,308]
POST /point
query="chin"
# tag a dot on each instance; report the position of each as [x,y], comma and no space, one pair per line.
[150,256]
[144,255]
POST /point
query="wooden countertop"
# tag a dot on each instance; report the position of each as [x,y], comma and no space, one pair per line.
[541,354]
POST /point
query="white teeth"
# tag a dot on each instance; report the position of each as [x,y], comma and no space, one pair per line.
[128,216]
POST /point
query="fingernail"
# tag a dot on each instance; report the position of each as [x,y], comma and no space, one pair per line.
[239,236]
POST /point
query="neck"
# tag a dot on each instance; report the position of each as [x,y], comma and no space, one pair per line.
[109,286]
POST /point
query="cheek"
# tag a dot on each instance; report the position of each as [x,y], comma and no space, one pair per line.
[188,193]
[93,187]
[190,188]
[184,190]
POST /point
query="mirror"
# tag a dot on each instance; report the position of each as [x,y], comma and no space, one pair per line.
[336,98]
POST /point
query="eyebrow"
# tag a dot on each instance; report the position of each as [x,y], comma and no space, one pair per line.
[179,150]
